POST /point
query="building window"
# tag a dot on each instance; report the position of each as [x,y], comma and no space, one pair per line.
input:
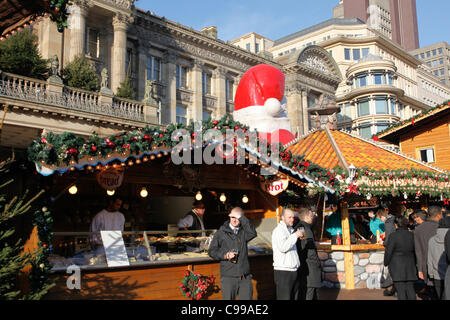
[381,106]
[426,154]
[347,54]
[440,50]
[436,72]
[441,61]
[356,54]
[129,62]
[181,77]
[392,104]
[365,130]
[365,52]
[93,41]
[256,47]
[422,55]
[434,52]
[390,78]
[206,114]
[181,115]
[153,68]
[229,90]
[428,54]
[206,83]
[345,113]
[442,72]
[247,46]
[363,108]
[379,78]
[380,126]
[361,80]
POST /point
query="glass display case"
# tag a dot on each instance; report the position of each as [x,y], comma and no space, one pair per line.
[85,249]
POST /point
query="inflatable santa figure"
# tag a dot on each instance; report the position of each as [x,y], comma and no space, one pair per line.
[258,104]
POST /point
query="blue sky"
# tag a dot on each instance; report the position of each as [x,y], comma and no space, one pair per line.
[275,19]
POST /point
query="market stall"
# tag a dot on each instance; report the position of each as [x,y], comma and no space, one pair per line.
[156,192]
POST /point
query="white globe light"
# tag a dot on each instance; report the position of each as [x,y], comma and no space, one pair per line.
[198,196]
[245,199]
[110,192]
[223,198]
[143,193]
[73,189]
[272,106]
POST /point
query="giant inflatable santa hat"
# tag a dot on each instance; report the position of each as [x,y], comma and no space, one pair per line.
[258,103]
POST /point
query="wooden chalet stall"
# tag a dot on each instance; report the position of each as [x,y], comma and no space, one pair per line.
[365,176]
[425,137]
[156,252]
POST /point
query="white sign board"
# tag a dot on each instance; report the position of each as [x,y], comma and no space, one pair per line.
[116,254]
[275,187]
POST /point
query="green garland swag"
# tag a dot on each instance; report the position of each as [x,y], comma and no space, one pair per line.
[194,286]
[41,266]
[67,147]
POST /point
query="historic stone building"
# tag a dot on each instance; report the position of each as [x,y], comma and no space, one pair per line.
[178,74]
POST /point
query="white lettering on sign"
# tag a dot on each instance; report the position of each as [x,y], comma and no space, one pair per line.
[275,187]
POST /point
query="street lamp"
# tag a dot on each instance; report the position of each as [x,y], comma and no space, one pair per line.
[352,172]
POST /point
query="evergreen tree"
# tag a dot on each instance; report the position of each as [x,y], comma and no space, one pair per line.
[12,259]
[20,55]
[126,90]
[80,74]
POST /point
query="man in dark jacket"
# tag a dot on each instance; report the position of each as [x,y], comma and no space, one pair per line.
[309,273]
[400,258]
[229,246]
[193,220]
[422,234]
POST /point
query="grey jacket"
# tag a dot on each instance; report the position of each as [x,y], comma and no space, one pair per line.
[437,260]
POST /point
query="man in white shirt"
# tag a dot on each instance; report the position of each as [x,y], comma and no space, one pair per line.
[285,257]
[110,218]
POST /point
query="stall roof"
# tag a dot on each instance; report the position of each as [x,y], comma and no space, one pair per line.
[393,132]
[17,14]
[331,148]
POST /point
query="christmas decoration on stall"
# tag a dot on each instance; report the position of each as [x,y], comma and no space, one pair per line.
[195,286]
[41,267]
[413,119]
[12,257]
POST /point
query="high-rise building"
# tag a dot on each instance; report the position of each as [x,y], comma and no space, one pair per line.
[437,58]
[393,18]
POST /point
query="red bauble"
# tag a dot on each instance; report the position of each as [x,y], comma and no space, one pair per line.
[73,151]
[94,148]
[147,137]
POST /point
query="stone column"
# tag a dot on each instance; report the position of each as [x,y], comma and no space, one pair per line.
[77,27]
[169,108]
[143,49]
[220,93]
[294,107]
[305,114]
[118,63]
[197,96]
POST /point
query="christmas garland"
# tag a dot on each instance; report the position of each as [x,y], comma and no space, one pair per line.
[41,266]
[67,148]
[194,286]
[411,120]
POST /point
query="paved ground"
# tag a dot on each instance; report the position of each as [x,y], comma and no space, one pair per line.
[356,294]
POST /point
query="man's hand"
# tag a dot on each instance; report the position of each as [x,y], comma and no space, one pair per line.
[230,255]
[299,233]
[421,275]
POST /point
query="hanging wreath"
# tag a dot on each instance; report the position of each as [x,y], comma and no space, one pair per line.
[194,286]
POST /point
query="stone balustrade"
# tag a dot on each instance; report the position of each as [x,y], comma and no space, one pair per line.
[38,91]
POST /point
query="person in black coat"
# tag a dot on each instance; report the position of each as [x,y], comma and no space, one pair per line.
[229,246]
[400,258]
[309,273]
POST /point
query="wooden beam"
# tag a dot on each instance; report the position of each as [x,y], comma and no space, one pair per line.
[348,256]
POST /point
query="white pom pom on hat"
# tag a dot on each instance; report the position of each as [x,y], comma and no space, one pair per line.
[272,106]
